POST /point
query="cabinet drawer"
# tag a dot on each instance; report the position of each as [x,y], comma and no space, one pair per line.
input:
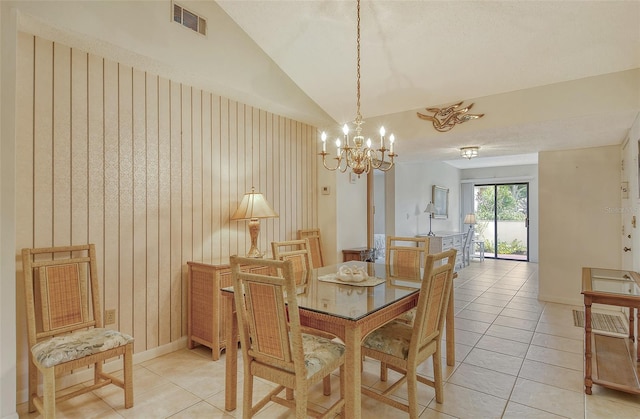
[447,243]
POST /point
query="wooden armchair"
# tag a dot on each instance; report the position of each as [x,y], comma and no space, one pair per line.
[315,245]
[297,251]
[64,323]
[273,345]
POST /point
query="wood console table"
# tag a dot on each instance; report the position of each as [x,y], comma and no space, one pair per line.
[611,361]
[362,254]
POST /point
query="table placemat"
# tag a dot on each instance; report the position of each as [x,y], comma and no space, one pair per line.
[369,282]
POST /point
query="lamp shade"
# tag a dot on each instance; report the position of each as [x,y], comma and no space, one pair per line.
[431,208]
[253,205]
[470,219]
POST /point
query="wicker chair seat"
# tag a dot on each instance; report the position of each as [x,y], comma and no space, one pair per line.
[393,339]
[65,348]
[320,353]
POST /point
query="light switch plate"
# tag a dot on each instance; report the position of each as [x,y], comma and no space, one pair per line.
[326,190]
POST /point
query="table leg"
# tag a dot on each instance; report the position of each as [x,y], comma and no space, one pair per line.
[353,373]
[231,358]
[451,337]
[588,382]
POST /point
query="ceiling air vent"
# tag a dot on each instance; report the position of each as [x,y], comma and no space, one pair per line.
[189,19]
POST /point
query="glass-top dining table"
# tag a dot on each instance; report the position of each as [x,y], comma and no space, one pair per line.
[349,311]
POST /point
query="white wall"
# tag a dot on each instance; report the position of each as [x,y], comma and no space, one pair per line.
[506,174]
[578,189]
[413,185]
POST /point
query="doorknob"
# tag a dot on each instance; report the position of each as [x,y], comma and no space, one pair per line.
[627,249]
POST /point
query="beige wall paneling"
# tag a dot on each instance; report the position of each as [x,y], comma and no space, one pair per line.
[24,183]
[196,172]
[216,180]
[176,210]
[150,170]
[61,145]
[151,218]
[111,191]
[238,229]
[43,144]
[139,193]
[207,178]
[125,134]
[79,150]
[225,184]
[165,274]
[187,195]
[96,159]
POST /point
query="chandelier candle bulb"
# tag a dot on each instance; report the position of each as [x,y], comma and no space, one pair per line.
[382,132]
[338,146]
[324,142]
[391,140]
[368,142]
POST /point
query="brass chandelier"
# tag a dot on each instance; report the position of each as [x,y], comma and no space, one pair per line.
[356,153]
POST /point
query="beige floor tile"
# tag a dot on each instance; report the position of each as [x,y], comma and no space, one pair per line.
[467,338]
[484,308]
[462,402]
[200,410]
[503,346]
[491,301]
[553,375]
[471,325]
[548,398]
[519,411]
[166,400]
[563,330]
[555,357]
[476,315]
[483,380]
[558,342]
[520,314]
[597,407]
[515,323]
[433,414]
[510,333]
[494,361]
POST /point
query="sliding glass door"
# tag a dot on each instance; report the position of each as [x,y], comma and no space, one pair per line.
[502,216]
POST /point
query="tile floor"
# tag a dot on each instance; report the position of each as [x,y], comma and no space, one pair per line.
[516,357]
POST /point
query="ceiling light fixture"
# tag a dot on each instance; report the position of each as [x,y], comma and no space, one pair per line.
[469,152]
[355,155]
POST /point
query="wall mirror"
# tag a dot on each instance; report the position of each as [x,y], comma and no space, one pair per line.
[440,197]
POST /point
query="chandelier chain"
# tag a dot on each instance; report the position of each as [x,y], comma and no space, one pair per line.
[358,115]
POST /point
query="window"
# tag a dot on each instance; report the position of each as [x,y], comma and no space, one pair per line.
[189,19]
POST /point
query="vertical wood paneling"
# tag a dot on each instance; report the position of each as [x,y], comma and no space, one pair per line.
[196,174]
[175,117]
[140,245]
[125,158]
[152,210]
[207,177]
[61,145]
[164,212]
[111,288]
[79,217]
[150,170]
[43,144]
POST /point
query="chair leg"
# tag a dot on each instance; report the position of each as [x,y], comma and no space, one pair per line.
[33,383]
[128,376]
[326,385]
[437,375]
[412,393]
[49,392]
[247,397]
[301,401]
[383,371]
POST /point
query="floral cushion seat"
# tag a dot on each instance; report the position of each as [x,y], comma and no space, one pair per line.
[319,352]
[393,338]
[64,348]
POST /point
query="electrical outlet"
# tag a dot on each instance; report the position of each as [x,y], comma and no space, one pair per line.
[109,316]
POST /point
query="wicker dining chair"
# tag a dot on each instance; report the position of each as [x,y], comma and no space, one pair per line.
[64,324]
[406,255]
[315,245]
[273,345]
[297,251]
[403,347]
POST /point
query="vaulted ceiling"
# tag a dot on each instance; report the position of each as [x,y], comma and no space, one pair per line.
[547,74]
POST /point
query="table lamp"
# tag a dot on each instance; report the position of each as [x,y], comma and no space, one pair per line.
[252,207]
[430,209]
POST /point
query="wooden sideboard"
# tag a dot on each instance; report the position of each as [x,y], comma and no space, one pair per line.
[448,240]
[363,254]
[205,307]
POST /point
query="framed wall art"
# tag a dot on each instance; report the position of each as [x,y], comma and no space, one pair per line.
[440,198]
